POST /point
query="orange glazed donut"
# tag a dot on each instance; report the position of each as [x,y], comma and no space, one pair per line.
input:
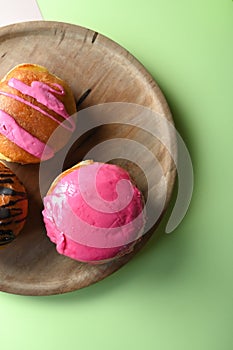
[13,205]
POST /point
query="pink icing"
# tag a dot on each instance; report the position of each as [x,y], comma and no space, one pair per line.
[85,233]
[11,129]
[43,94]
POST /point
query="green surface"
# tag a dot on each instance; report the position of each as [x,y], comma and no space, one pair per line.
[177,293]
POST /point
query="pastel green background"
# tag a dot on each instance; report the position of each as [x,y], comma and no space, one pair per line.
[177,293]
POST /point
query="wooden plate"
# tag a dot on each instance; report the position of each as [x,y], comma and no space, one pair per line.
[101,70]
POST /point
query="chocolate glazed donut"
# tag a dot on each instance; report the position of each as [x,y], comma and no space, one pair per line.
[13,205]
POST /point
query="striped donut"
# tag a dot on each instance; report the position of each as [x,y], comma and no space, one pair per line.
[33,103]
[13,205]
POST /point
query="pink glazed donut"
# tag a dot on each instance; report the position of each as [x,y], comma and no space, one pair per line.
[94,213]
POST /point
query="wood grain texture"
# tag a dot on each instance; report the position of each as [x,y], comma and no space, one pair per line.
[98,71]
